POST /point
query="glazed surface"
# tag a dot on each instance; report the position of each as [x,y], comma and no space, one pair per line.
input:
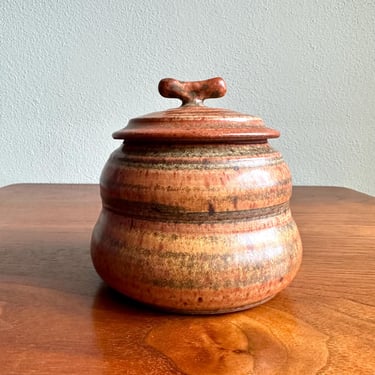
[200,228]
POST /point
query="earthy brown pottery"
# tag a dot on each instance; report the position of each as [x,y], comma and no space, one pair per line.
[196,214]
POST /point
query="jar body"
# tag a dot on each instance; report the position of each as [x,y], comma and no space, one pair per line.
[196,228]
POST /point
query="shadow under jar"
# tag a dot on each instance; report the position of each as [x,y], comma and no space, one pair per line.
[196,215]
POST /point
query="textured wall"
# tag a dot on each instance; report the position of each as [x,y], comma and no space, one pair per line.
[72,72]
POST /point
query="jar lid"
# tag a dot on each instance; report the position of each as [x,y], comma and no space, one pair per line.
[193,121]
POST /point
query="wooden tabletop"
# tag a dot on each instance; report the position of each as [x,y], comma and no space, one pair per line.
[57,317]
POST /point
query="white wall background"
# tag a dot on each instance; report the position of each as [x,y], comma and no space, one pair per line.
[74,71]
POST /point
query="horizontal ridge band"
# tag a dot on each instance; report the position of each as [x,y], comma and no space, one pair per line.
[160,212]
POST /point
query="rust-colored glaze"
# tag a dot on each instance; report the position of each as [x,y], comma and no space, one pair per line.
[196,215]
[192,93]
[193,122]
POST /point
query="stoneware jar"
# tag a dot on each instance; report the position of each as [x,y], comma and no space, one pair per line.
[196,215]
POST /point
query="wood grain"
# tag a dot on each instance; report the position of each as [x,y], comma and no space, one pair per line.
[57,317]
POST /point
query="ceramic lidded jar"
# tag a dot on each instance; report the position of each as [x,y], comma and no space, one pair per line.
[196,215]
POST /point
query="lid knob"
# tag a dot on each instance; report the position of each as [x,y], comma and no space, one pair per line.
[192,93]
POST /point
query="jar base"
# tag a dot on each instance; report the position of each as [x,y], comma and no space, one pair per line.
[209,312]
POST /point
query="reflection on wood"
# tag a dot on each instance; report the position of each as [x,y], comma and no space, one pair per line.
[261,341]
